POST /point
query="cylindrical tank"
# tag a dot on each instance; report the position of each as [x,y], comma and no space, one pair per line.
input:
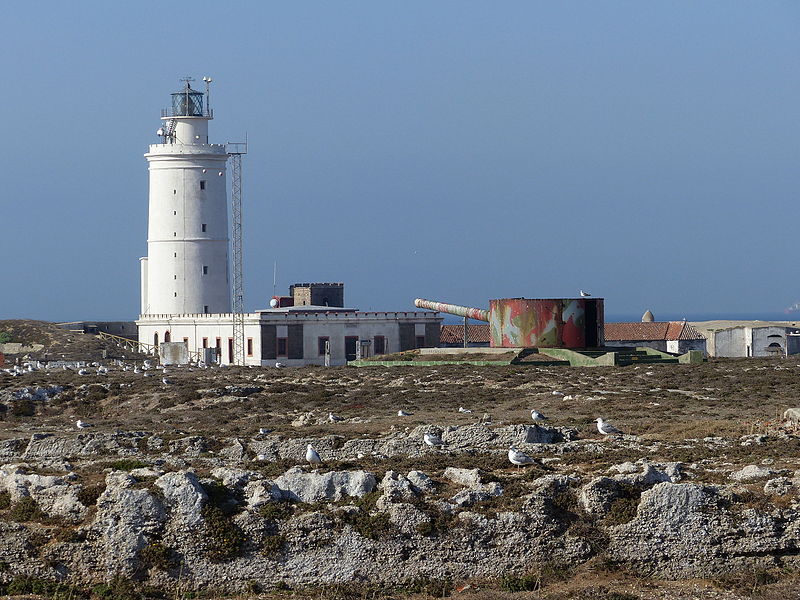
[535,323]
[478,314]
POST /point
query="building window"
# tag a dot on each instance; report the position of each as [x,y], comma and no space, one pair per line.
[174,212]
[174,192]
[176,294]
[205,269]
[175,277]
[380,344]
[219,344]
[249,346]
[175,254]
[174,234]
[167,336]
[205,308]
[321,344]
[186,342]
[202,184]
[155,339]
[420,341]
[203,227]
[230,350]
[205,342]
[282,346]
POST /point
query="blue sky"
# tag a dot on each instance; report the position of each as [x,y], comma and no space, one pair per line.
[458,151]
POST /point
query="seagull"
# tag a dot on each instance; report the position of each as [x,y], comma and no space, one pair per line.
[101,370]
[606,428]
[585,294]
[261,457]
[278,365]
[264,431]
[519,458]
[464,410]
[433,440]
[166,381]
[82,424]
[403,413]
[334,418]
[83,372]
[312,456]
[557,393]
[537,416]
[136,370]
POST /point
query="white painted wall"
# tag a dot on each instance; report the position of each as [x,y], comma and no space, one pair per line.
[177,246]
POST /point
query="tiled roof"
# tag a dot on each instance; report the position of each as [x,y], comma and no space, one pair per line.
[454,334]
[665,330]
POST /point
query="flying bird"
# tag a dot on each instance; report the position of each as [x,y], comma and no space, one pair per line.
[606,428]
[519,458]
[312,456]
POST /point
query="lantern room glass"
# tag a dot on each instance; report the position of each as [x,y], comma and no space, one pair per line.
[187,103]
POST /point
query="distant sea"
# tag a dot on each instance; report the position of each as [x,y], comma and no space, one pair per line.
[668,316]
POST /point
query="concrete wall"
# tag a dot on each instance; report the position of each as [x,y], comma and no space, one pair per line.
[749,341]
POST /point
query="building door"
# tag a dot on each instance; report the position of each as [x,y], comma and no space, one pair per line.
[350,343]
[230,350]
[590,323]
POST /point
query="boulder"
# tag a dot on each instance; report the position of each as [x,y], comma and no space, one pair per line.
[470,478]
[260,492]
[295,484]
[184,495]
[752,472]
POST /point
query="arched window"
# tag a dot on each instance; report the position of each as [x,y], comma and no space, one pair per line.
[166,336]
[155,339]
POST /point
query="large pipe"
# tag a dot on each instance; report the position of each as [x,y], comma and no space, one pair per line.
[478,314]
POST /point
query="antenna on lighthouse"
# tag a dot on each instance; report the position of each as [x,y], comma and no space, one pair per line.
[235,151]
[208,81]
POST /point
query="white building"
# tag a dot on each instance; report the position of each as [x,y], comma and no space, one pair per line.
[297,336]
[750,338]
[185,293]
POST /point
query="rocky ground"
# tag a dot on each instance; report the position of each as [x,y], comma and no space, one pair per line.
[174,491]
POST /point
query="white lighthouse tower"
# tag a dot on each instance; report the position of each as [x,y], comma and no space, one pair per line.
[186,267]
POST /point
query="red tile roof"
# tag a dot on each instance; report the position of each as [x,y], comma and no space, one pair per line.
[640,332]
[454,334]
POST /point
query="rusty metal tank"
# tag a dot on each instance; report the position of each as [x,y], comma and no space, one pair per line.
[535,323]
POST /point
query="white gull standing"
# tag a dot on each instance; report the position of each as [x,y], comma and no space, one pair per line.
[606,428]
[312,456]
[537,416]
[519,458]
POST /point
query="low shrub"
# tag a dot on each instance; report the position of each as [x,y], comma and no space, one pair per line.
[224,539]
[26,510]
[127,464]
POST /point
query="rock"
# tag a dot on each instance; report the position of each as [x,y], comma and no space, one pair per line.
[295,484]
[125,519]
[470,478]
[146,472]
[792,414]
[479,494]
[406,517]
[751,472]
[626,467]
[54,495]
[304,419]
[396,488]
[780,486]
[236,452]
[596,496]
[184,495]
[234,478]
[421,481]
[649,476]
[260,492]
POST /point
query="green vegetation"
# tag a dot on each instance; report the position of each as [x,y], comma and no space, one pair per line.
[26,510]
[157,556]
[89,494]
[224,539]
[623,509]
[127,464]
[5,500]
[5,337]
